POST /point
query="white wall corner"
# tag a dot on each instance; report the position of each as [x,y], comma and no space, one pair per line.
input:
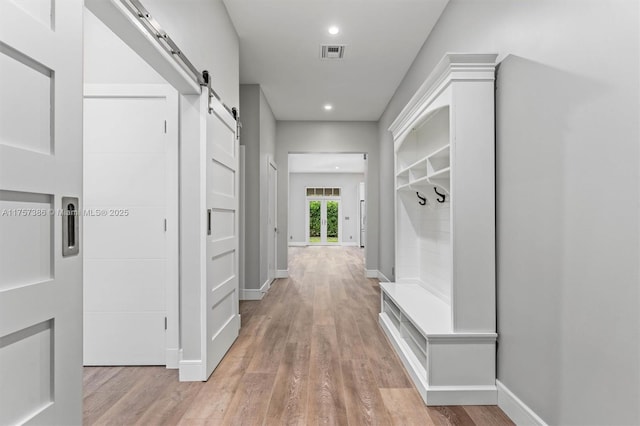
[251,294]
[282,273]
[382,278]
[173,358]
[255,293]
[515,409]
[191,370]
[297,244]
[349,244]
[371,273]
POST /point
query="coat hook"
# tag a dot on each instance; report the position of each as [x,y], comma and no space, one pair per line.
[422,201]
[442,197]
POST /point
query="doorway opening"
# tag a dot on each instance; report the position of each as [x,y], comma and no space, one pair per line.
[326,195]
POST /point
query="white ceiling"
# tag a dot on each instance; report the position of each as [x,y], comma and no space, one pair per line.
[326,163]
[280,50]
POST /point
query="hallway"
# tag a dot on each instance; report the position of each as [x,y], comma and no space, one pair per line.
[310,352]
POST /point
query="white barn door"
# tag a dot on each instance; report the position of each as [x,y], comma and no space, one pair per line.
[40,178]
[222,255]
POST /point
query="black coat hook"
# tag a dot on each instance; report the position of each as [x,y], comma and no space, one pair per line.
[422,201]
[442,197]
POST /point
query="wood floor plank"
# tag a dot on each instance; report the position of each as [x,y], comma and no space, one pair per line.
[96,377]
[96,404]
[215,396]
[385,364]
[487,415]
[363,400]
[133,404]
[289,396]
[326,404]
[405,406]
[169,407]
[250,402]
[450,415]
[349,340]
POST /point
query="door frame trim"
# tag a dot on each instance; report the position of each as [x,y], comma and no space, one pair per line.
[172,290]
[271,163]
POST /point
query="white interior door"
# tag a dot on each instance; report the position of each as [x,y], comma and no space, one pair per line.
[272,226]
[221,310]
[130,260]
[40,178]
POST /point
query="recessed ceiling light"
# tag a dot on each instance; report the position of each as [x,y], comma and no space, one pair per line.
[328,107]
[333,30]
[337,167]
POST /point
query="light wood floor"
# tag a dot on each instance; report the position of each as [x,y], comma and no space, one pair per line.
[311,352]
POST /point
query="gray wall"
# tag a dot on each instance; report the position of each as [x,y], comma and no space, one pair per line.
[108,60]
[567,196]
[349,203]
[258,136]
[334,137]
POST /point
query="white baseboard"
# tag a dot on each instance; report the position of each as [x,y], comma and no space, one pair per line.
[172,358]
[382,278]
[191,370]
[371,273]
[255,293]
[282,273]
[517,410]
[304,244]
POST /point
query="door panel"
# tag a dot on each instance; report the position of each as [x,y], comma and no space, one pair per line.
[27,241]
[127,169]
[25,90]
[40,163]
[332,221]
[221,310]
[314,212]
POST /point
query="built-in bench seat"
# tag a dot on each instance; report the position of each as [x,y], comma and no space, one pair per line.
[419,325]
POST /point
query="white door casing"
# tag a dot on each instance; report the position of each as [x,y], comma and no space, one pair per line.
[40,164]
[131,235]
[272,225]
[221,310]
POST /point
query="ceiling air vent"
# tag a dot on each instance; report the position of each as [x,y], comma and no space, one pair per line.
[332,51]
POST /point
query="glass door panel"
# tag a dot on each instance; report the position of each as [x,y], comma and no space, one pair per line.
[314,209]
[332,222]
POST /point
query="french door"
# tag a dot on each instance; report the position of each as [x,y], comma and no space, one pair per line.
[41,229]
[323,221]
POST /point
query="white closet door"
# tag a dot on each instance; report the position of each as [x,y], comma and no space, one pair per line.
[128,159]
[222,200]
[40,177]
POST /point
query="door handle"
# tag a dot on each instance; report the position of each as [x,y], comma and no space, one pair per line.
[209,222]
[70,227]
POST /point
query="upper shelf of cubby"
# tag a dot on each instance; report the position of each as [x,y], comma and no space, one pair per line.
[454,66]
[431,169]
